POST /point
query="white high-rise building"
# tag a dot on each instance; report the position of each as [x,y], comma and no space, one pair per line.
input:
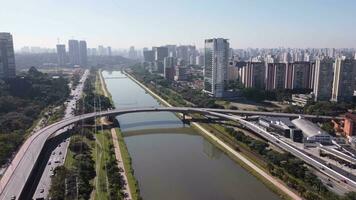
[344,82]
[323,79]
[215,69]
[7,56]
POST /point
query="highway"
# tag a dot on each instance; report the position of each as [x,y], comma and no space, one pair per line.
[334,172]
[17,173]
[58,155]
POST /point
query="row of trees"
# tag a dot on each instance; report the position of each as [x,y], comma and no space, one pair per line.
[21,101]
[164,87]
[75,183]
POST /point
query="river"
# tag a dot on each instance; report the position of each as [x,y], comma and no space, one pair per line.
[172,161]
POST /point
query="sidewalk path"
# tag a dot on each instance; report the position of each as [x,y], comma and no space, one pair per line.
[115,141]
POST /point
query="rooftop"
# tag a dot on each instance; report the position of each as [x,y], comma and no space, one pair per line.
[309,128]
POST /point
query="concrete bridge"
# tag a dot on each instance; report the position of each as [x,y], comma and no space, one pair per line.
[18,172]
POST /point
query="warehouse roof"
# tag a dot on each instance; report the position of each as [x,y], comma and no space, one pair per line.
[309,128]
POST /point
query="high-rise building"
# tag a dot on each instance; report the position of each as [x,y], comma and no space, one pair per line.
[148,56]
[132,53]
[73,51]
[169,68]
[7,56]
[323,79]
[182,53]
[61,55]
[215,69]
[161,53]
[172,50]
[200,60]
[301,75]
[343,83]
[83,55]
[255,73]
[109,51]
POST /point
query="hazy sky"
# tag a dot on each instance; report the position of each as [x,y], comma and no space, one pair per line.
[146,23]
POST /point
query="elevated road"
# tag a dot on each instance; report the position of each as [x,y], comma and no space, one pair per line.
[16,175]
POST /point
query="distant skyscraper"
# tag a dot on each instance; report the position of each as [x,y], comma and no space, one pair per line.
[215,69]
[109,51]
[7,56]
[161,53]
[83,55]
[132,53]
[101,50]
[73,51]
[182,53]
[323,79]
[149,56]
[200,60]
[61,55]
[172,51]
[344,83]
[169,67]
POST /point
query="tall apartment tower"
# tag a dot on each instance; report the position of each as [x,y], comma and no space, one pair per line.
[215,69]
[83,55]
[323,79]
[344,83]
[61,55]
[73,51]
[169,68]
[7,56]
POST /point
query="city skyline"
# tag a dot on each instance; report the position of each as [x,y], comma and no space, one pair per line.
[255,24]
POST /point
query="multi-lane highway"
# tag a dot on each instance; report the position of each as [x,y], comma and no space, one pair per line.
[20,169]
[58,155]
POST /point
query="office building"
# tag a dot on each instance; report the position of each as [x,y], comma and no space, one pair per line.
[109,51]
[73,51]
[7,56]
[172,50]
[215,69]
[182,53]
[323,79]
[132,53]
[169,68]
[148,56]
[199,60]
[83,56]
[160,53]
[61,55]
[181,73]
[343,82]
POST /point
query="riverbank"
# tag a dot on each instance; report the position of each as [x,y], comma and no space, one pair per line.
[121,152]
[272,183]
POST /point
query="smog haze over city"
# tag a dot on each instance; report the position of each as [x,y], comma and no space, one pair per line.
[122,23]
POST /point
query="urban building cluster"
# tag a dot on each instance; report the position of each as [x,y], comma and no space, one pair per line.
[330,79]
[329,73]
[77,54]
[171,60]
[7,56]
